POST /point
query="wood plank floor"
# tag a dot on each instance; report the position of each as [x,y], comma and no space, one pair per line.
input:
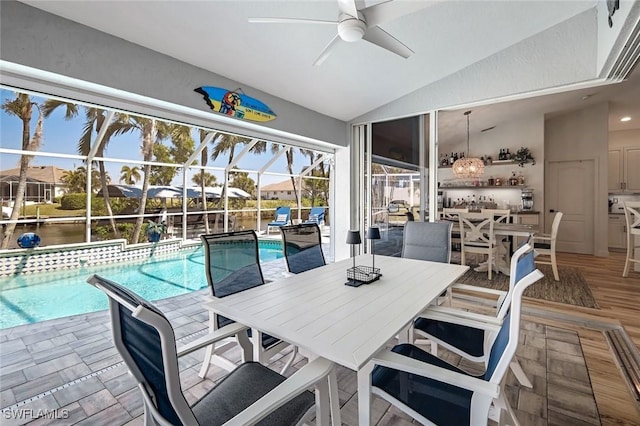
[619,300]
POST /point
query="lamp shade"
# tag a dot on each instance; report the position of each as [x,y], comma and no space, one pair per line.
[469,167]
[353,237]
[373,233]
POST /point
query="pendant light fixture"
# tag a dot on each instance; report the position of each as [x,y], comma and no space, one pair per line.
[468,167]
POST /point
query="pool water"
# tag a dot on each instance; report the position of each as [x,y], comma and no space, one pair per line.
[26,299]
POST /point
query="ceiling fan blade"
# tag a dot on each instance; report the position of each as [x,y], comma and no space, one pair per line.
[327,50]
[288,21]
[380,37]
[390,10]
[349,7]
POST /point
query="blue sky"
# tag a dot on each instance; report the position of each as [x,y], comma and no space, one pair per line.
[61,136]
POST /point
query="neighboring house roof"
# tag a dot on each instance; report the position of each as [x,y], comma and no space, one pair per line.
[46,174]
[285,185]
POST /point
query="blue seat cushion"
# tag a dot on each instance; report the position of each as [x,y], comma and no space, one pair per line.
[441,403]
[241,388]
[467,339]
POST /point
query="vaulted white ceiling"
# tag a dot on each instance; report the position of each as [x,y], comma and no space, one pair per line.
[358,77]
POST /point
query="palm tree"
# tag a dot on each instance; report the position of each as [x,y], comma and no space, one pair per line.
[181,148]
[22,107]
[94,119]
[204,159]
[204,179]
[275,148]
[148,129]
[130,175]
[76,180]
[227,143]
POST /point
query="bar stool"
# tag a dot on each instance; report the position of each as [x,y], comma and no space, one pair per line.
[632,217]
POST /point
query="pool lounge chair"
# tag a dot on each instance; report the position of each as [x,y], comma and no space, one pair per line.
[283,217]
[316,215]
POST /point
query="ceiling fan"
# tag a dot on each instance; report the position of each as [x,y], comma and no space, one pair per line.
[360,23]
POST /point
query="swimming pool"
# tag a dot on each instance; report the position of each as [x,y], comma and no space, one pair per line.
[27,299]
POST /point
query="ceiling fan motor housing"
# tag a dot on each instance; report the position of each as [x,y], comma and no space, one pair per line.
[350,28]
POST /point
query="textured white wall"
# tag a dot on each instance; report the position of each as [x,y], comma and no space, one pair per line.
[37,39]
[612,39]
[561,55]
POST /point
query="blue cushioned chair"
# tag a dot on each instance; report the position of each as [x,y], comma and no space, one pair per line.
[316,215]
[436,393]
[455,329]
[251,393]
[427,241]
[283,217]
[232,264]
[302,247]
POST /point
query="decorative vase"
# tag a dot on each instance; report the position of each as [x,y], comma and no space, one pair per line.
[153,236]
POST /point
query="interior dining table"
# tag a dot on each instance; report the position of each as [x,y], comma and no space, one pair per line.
[347,325]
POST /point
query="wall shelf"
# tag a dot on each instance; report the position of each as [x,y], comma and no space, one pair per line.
[483,187]
[493,163]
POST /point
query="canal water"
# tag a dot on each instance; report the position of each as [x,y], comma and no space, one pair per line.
[72,233]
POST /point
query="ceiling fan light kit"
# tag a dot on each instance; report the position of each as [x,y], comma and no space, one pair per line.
[360,24]
[468,167]
[351,29]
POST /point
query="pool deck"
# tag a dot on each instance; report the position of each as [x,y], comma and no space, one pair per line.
[66,371]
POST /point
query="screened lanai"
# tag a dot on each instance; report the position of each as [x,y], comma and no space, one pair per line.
[145,169]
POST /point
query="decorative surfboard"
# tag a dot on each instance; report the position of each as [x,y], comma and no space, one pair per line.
[236,104]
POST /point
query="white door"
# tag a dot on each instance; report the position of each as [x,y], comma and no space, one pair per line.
[569,188]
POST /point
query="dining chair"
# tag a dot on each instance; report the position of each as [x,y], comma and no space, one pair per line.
[302,246]
[477,237]
[251,393]
[499,215]
[545,246]
[232,265]
[427,241]
[454,329]
[436,393]
[451,214]
[430,241]
[632,219]
[282,218]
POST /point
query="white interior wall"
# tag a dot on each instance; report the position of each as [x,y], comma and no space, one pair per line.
[623,138]
[583,135]
[525,132]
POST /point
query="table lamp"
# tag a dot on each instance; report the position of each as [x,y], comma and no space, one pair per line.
[353,238]
[373,233]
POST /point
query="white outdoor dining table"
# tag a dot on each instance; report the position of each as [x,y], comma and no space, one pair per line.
[321,315]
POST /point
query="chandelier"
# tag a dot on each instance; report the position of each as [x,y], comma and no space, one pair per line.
[468,167]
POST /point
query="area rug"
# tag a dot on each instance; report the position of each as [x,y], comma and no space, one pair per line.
[572,288]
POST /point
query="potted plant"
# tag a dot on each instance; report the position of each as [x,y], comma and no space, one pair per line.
[155,230]
[523,156]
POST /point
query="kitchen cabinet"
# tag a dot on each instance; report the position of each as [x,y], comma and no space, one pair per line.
[624,170]
[532,218]
[617,231]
